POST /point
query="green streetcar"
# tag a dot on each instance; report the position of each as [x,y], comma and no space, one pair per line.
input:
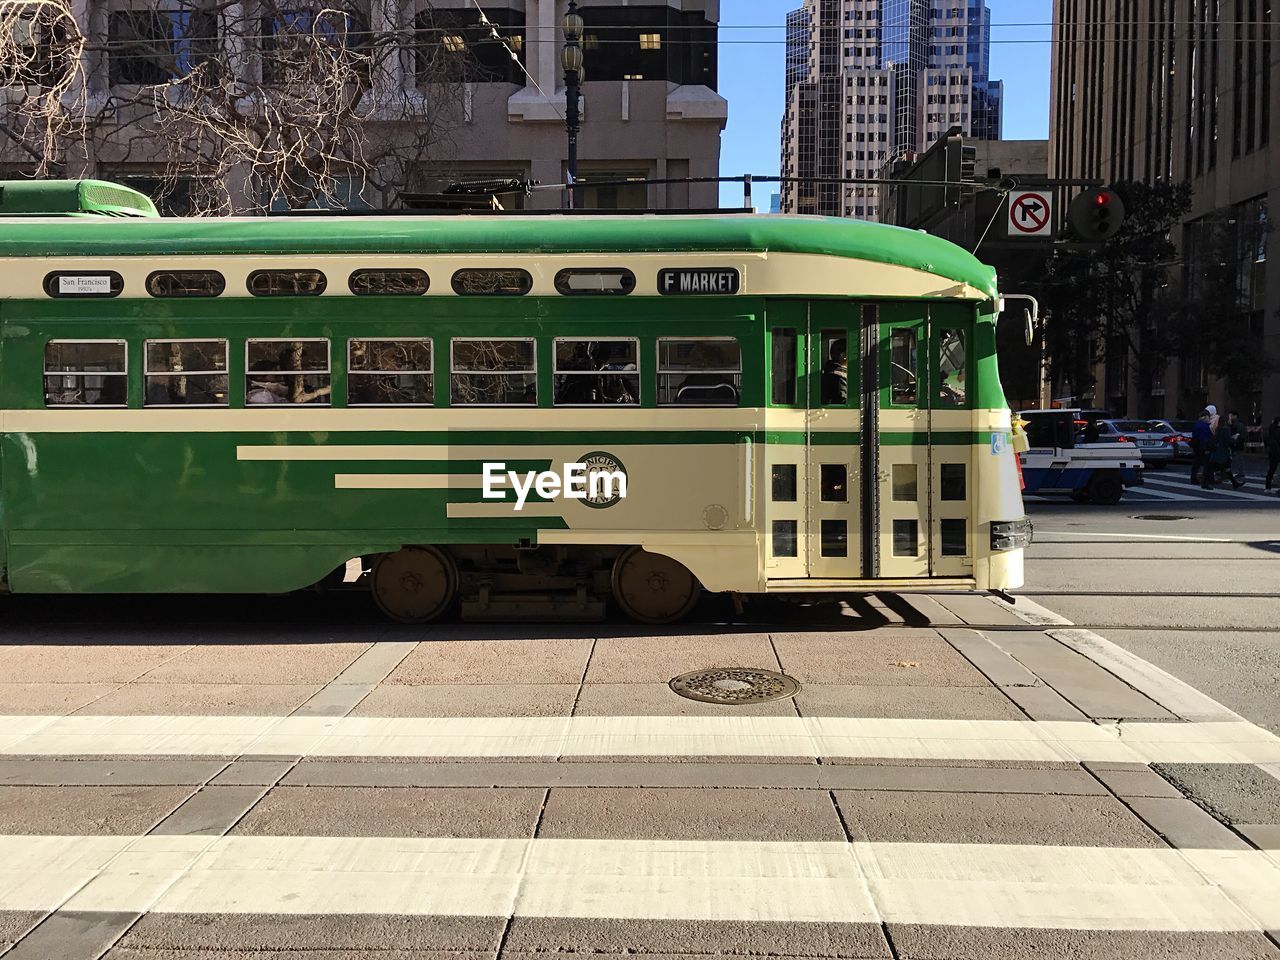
[510,415]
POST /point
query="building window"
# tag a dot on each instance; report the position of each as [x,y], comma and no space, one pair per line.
[186,373]
[597,372]
[389,373]
[85,373]
[704,372]
[286,371]
[650,41]
[156,46]
[494,373]
[455,45]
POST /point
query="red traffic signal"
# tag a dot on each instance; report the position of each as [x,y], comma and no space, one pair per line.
[1096,215]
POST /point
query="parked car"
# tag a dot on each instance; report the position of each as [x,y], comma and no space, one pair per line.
[1179,434]
[1156,448]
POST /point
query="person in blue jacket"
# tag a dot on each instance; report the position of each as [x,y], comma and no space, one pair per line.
[1201,447]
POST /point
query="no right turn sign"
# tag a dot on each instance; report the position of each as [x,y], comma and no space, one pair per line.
[1030,213]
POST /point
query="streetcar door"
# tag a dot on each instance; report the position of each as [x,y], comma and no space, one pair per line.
[925,437]
[833,424]
[811,469]
[952,400]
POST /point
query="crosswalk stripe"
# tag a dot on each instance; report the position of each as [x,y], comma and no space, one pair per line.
[1163,494]
[581,736]
[1218,491]
[992,885]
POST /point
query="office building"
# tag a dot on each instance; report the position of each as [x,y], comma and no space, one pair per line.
[1181,91]
[650,106]
[873,82]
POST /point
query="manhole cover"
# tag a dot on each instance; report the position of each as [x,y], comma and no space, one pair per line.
[1161,516]
[734,685]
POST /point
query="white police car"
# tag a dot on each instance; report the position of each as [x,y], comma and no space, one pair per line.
[1055,464]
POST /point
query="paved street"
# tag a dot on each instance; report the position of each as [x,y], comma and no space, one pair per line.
[280,777]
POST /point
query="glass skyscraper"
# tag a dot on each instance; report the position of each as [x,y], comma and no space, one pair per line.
[870,82]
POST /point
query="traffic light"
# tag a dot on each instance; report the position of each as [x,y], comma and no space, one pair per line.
[1096,215]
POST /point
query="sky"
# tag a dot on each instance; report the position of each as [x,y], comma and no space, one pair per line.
[752,66]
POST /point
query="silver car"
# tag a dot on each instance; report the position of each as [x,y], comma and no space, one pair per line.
[1155,446]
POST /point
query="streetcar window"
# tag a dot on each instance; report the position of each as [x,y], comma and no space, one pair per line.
[286,371]
[955,538]
[186,283]
[595,283]
[953,482]
[186,373]
[597,372]
[784,483]
[835,538]
[389,283]
[286,283]
[785,539]
[906,538]
[835,483]
[85,373]
[835,368]
[386,372]
[902,367]
[492,283]
[952,387]
[785,346]
[99,283]
[494,372]
[905,486]
[705,372]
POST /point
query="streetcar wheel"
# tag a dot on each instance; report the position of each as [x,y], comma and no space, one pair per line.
[651,588]
[1106,489]
[414,585]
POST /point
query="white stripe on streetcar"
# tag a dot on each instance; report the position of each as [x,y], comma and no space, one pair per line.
[809,737]
[406,481]
[990,885]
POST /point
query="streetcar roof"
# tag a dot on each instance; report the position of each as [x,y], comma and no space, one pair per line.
[823,236]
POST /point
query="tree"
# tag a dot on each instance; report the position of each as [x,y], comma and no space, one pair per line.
[1219,320]
[1109,303]
[244,105]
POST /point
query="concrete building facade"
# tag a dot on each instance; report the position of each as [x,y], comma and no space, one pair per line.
[650,105]
[1174,91]
[873,82]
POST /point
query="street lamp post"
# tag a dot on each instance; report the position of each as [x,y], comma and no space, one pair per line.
[571,60]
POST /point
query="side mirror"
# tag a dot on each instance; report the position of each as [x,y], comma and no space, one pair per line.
[1030,314]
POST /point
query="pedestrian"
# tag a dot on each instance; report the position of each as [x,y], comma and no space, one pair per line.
[1273,450]
[1201,447]
[1221,456]
[1213,418]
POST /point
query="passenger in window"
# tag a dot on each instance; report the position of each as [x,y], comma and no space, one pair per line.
[951,385]
[531,394]
[266,391]
[619,389]
[835,375]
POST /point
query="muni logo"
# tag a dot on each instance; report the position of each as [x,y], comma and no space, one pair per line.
[598,479]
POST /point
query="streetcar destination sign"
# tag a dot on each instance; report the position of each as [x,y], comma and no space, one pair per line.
[715,281]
